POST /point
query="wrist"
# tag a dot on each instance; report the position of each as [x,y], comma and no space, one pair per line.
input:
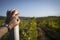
[11,26]
[6,26]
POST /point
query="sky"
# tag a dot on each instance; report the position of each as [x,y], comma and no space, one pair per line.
[31,8]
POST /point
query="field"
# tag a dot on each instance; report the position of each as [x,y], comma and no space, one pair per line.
[37,28]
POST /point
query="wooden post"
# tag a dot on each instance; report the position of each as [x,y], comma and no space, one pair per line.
[16,32]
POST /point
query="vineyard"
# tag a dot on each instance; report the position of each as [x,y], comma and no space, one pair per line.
[37,28]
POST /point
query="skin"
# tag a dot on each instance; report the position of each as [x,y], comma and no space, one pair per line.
[13,21]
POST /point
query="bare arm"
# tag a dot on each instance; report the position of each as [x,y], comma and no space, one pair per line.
[12,23]
[13,20]
[3,30]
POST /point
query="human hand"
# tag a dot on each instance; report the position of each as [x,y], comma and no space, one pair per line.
[12,18]
[14,21]
[11,13]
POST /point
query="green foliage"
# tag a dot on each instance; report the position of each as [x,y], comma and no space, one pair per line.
[51,22]
[32,30]
[1,22]
[23,24]
[28,27]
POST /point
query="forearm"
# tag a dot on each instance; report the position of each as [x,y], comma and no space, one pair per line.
[3,30]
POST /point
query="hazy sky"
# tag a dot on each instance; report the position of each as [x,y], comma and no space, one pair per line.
[37,8]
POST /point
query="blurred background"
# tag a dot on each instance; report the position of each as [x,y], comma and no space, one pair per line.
[40,19]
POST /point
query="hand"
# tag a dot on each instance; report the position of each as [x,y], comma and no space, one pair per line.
[11,13]
[14,21]
[12,18]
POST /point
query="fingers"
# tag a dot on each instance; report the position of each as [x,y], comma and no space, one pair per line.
[15,13]
[12,13]
[15,19]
